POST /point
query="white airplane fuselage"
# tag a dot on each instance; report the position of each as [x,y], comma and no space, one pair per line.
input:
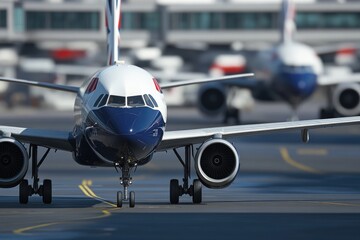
[120,116]
[291,70]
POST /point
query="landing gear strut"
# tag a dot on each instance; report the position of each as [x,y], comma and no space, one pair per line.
[26,190]
[176,190]
[125,181]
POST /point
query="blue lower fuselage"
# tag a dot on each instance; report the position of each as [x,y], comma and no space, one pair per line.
[295,84]
[119,135]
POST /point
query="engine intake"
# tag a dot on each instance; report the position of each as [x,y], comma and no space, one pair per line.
[14,162]
[212,99]
[217,163]
[346,99]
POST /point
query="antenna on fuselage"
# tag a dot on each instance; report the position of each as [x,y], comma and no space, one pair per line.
[113,24]
[287,20]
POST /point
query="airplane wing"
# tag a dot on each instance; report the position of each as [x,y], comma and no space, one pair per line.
[41,84]
[174,139]
[163,85]
[205,80]
[61,140]
[327,80]
[334,48]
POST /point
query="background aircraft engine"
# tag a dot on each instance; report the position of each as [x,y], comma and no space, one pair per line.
[346,99]
[14,162]
[212,99]
[217,163]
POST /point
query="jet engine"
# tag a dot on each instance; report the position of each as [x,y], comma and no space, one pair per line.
[212,99]
[14,162]
[217,163]
[346,99]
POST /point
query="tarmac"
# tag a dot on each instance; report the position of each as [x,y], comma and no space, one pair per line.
[285,189]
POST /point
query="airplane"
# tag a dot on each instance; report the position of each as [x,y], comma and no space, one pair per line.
[120,118]
[291,72]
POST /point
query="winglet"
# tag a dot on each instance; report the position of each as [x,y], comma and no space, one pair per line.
[287,20]
[113,25]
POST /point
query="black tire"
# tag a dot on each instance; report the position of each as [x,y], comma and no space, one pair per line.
[47,191]
[132,200]
[174,191]
[119,199]
[197,191]
[24,192]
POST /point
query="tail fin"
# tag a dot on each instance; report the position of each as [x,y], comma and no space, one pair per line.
[287,20]
[113,24]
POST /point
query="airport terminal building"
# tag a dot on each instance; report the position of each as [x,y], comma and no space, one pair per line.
[172,22]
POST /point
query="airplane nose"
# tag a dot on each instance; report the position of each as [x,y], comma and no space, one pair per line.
[303,84]
[298,84]
[128,121]
[127,132]
[122,122]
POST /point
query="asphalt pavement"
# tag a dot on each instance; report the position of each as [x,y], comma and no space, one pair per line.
[285,189]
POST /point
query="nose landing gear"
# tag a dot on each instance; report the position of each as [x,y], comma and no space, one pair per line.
[125,181]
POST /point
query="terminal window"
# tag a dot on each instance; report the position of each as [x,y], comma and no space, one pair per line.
[261,20]
[328,20]
[58,20]
[140,21]
[3,16]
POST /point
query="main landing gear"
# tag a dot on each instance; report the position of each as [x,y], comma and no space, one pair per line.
[26,190]
[176,190]
[125,181]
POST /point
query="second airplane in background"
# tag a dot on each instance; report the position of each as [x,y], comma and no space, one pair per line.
[289,71]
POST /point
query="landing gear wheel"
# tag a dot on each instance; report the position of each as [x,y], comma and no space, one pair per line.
[174,191]
[197,191]
[132,199]
[47,191]
[119,199]
[24,192]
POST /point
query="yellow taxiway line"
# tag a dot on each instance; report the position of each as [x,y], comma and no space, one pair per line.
[84,187]
[287,158]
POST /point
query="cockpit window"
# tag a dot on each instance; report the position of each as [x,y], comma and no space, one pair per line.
[104,100]
[148,101]
[116,101]
[296,69]
[98,100]
[135,101]
[153,100]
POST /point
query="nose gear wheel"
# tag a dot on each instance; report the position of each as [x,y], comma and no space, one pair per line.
[125,181]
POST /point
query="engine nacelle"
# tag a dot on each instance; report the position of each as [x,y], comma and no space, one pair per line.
[14,162]
[217,163]
[346,99]
[212,99]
